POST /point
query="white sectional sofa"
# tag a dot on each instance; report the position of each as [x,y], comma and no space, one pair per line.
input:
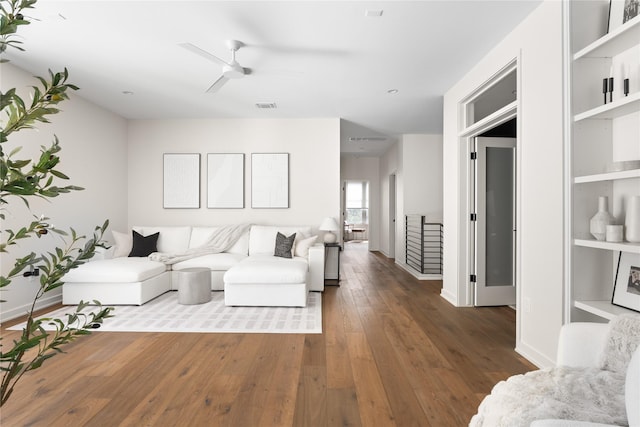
[248,271]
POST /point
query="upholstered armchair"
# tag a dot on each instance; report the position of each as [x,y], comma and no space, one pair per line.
[595,383]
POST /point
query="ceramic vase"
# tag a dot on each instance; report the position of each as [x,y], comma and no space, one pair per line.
[602,218]
[632,220]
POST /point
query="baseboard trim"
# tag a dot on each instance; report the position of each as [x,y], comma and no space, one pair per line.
[449,297]
[23,309]
[417,275]
[534,356]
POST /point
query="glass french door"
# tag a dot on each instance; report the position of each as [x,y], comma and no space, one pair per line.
[495,226]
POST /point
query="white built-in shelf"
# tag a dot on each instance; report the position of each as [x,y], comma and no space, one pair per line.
[601,308]
[608,176]
[618,108]
[622,38]
[633,248]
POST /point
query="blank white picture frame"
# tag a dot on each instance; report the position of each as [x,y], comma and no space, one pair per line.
[225,181]
[181,178]
[269,180]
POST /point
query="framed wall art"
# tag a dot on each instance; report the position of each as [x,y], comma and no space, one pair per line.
[181,181]
[621,11]
[225,181]
[626,290]
[269,180]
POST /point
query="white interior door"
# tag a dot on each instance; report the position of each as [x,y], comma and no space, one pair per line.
[392,216]
[495,222]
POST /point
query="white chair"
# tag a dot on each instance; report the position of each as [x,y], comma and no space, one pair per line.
[581,345]
[587,382]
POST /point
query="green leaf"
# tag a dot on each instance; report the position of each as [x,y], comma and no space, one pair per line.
[58,174]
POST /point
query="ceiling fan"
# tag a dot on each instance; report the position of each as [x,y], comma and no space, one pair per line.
[230,70]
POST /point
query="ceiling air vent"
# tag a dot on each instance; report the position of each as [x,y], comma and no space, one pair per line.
[367,139]
[266,105]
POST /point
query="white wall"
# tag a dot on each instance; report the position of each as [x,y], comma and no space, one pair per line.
[366,169]
[417,162]
[93,155]
[390,163]
[314,167]
[422,170]
[537,41]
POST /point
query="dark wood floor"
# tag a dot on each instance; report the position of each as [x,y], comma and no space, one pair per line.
[392,353]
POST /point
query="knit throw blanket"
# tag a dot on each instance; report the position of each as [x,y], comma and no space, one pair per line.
[222,239]
[562,392]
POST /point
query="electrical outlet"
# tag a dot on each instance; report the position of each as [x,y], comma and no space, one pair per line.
[526,305]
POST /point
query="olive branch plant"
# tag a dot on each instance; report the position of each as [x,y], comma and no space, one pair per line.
[26,179]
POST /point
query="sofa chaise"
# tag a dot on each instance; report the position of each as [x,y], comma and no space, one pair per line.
[248,271]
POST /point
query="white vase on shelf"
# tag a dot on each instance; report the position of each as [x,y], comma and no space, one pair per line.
[632,220]
[602,218]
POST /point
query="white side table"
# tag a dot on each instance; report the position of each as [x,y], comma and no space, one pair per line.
[194,286]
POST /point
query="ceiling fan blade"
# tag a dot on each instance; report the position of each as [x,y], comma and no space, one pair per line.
[217,84]
[195,49]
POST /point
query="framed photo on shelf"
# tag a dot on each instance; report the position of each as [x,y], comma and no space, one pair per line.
[621,11]
[626,289]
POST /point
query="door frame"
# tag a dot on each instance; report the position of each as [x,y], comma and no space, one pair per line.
[465,136]
[499,117]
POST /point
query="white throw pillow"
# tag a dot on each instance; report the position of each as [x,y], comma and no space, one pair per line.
[123,243]
[302,246]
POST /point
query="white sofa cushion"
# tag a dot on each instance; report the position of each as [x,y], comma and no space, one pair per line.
[116,270]
[268,269]
[200,236]
[123,243]
[262,238]
[302,245]
[171,239]
[215,262]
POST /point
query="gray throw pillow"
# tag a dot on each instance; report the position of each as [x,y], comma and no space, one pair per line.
[284,245]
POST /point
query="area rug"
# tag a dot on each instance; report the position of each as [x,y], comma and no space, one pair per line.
[164,314]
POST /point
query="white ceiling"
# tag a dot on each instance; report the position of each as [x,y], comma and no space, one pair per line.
[314,59]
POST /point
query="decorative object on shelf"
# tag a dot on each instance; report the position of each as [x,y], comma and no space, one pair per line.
[626,290]
[621,11]
[225,180]
[632,220]
[181,175]
[605,88]
[626,87]
[631,9]
[269,180]
[602,218]
[611,87]
[329,225]
[614,233]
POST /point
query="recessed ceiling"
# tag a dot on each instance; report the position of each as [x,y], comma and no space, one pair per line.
[314,59]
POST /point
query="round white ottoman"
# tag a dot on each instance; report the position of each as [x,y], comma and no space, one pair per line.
[194,286]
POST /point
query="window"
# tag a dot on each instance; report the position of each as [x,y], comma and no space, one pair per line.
[357,202]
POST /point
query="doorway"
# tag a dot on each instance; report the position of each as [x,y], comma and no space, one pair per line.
[489,132]
[493,220]
[356,215]
[392,216]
